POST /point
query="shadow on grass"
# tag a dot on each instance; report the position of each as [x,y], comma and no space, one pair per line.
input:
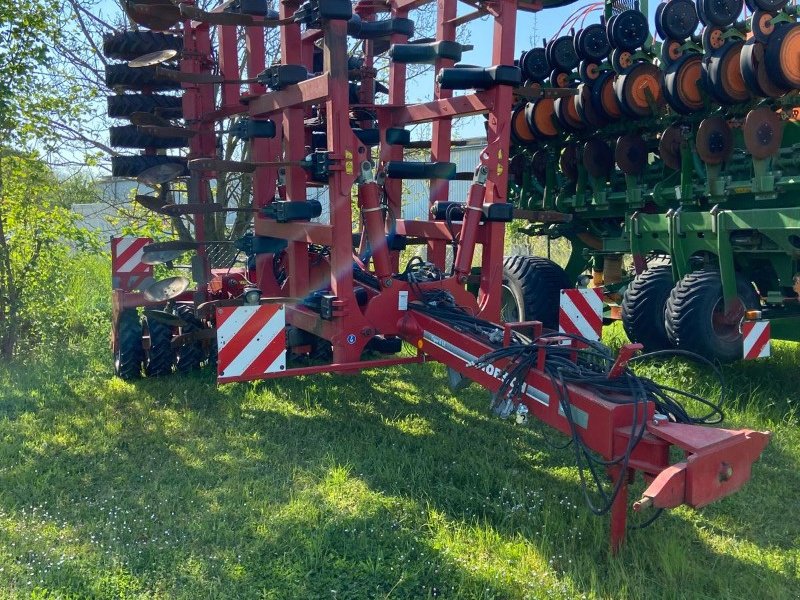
[328,486]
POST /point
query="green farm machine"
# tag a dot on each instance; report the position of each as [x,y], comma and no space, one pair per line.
[671,162]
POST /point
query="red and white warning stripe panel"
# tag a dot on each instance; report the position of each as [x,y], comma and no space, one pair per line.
[581,312]
[251,342]
[756,340]
[128,272]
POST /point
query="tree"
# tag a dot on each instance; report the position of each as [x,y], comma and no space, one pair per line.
[37,236]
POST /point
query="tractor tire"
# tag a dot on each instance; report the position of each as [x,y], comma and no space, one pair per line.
[643,308]
[130,353]
[129,136]
[129,78]
[693,316]
[122,106]
[160,358]
[127,45]
[189,356]
[531,290]
[132,166]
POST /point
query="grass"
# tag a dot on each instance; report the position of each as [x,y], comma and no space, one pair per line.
[383,485]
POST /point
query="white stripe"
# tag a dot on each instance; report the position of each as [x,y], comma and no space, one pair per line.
[752,331]
[576,317]
[234,323]
[133,263]
[122,244]
[278,365]
[271,329]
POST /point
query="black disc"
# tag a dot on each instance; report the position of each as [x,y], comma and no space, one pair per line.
[562,54]
[748,65]
[724,75]
[534,64]
[679,19]
[560,79]
[659,30]
[609,25]
[621,60]
[721,12]
[782,57]
[711,38]
[630,30]
[630,154]
[589,71]
[592,43]
[770,5]
[671,51]
[761,25]
[682,84]
[598,159]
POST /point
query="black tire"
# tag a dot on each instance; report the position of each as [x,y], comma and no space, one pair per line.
[129,136]
[690,316]
[127,45]
[130,353]
[534,285]
[160,358]
[122,106]
[189,356]
[643,308]
[129,78]
[131,166]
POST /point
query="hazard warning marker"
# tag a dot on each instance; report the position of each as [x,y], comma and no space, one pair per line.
[251,342]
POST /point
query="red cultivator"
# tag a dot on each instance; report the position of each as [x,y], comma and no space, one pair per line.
[321,121]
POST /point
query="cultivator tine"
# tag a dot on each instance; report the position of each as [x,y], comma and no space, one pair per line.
[154,203]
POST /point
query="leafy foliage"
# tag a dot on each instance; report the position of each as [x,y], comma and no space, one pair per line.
[38,236]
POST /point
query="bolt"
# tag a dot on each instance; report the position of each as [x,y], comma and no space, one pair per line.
[387,283]
[725,472]
[659,419]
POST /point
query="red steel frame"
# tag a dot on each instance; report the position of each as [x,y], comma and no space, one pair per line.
[717,462]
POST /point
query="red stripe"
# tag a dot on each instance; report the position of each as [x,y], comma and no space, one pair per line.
[594,320]
[130,251]
[269,355]
[223,314]
[246,334]
[759,344]
[566,324]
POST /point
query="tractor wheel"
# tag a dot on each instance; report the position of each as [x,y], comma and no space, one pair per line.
[132,166]
[190,355]
[129,355]
[129,136]
[127,45]
[531,290]
[643,308]
[695,316]
[130,78]
[160,357]
[122,106]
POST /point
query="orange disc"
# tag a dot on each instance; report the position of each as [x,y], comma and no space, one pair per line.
[763,131]
[689,82]
[609,100]
[520,126]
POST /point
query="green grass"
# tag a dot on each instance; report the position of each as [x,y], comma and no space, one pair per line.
[378,485]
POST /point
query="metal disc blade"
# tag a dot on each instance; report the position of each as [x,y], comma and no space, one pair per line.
[153,58]
[153,14]
[160,174]
[166,289]
[167,318]
[160,257]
